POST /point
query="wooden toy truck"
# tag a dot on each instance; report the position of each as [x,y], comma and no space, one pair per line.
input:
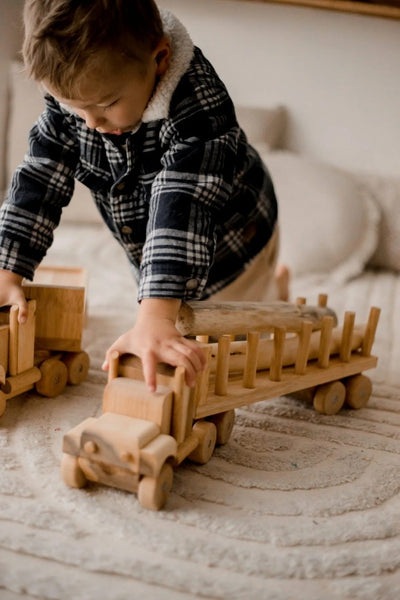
[289,348]
[45,352]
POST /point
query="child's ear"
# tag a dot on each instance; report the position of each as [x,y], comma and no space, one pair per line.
[163,55]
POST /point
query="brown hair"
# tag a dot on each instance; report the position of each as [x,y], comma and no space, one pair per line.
[63,37]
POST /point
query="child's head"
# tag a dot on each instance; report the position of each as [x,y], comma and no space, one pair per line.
[88,51]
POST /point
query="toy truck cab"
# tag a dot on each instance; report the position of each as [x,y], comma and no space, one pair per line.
[131,451]
[123,452]
[141,435]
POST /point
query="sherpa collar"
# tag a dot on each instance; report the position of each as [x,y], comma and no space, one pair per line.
[181,56]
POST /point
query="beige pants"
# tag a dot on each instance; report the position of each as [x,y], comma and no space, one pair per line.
[257,283]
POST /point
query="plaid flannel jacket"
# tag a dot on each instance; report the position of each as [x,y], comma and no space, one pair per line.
[187,197]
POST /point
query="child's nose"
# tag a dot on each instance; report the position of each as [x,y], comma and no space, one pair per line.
[93,121]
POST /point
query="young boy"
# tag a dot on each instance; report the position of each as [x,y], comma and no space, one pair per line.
[136,113]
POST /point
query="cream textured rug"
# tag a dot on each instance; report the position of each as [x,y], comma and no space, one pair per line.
[295,506]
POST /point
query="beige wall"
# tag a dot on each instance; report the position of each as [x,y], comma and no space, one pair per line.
[336,72]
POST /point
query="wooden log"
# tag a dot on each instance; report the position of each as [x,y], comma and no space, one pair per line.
[207,318]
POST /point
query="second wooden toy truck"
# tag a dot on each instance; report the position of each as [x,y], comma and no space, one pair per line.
[45,352]
[141,436]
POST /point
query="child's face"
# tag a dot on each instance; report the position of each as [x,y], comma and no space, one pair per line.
[114,96]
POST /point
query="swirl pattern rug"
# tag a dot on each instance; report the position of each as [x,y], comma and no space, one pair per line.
[296,505]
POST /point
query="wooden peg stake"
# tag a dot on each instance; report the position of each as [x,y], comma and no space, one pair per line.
[250,368]
[322,300]
[203,378]
[182,411]
[113,366]
[275,372]
[325,342]
[303,348]
[221,376]
[370,331]
[203,339]
[13,343]
[347,336]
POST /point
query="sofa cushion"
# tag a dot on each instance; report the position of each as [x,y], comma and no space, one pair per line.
[329,222]
[386,191]
[264,127]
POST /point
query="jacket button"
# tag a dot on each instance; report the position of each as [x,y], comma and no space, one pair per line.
[120,187]
[126,229]
[192,284]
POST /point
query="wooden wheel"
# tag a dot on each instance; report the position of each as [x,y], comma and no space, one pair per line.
[329,398]
[77,364]
[71,472]
[358,391]
[206,433]
[54,378]
[224,423]
[153,492]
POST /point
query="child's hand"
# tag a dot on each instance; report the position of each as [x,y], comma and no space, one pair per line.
[11,293]
[154,338]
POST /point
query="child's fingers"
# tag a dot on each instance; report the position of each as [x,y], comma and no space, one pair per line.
[22,309]
[194,355]
[189,354]
[179,355]
[198,353]
[107,359]
[184,356]
[179,352]
[149,370]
